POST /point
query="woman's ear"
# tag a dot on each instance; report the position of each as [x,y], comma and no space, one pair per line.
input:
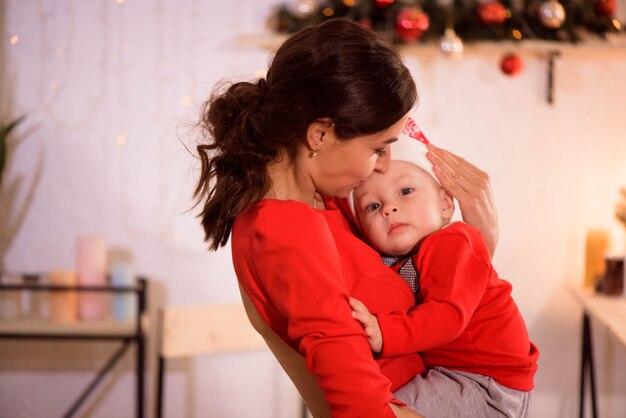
[317,133]
[447,205]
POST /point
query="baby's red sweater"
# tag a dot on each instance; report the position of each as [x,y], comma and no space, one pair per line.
[466,319]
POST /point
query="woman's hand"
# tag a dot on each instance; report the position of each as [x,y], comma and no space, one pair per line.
[404,411]
[471,187]
[369,323]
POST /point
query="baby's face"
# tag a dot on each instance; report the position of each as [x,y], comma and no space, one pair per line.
[398,208]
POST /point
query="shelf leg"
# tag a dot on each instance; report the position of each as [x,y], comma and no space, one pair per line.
[587,365]
[141,351]
[92,385]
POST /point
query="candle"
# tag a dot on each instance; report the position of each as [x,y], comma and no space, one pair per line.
[91,259]
[124,304]
[63,304]
[612,282]
[596,246]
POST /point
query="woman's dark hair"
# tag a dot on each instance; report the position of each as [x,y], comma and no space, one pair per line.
[338,70]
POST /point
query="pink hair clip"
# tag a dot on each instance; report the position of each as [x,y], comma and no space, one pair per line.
[411,129]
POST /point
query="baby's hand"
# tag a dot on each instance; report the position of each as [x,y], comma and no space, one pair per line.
[370,324]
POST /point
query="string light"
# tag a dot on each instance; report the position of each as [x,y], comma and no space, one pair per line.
[14,39]
[328,12]
[304,8]
[119,1]
[517,34]
[185,101]
[121,139]
[348,3]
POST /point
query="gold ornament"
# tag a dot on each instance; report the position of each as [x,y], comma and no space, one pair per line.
[551,14]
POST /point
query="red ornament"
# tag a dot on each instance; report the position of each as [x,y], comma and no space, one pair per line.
[511,64]
[492,13]
[411,23]
[383,4]
[606,8]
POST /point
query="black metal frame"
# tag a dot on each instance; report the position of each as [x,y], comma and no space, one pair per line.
[159,400]
[587,365]
[137,336]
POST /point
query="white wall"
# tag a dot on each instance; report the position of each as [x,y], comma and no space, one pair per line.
[87,72]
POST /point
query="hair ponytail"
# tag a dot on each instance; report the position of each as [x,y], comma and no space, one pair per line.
[233,164]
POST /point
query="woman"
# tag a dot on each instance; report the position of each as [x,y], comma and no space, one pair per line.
[281,150]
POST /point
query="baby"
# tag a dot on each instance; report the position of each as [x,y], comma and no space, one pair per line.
[465,323]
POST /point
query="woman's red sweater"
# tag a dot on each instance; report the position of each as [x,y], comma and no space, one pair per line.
[299,266]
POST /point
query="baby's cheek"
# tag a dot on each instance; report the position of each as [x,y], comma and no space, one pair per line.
[374,234]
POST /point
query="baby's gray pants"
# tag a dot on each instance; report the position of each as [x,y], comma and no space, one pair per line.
[444,393]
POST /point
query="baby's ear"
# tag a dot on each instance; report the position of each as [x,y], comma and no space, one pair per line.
[447,205]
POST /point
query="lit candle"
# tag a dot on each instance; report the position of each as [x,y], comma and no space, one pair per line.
[63,304]
[91,259]
[596,246]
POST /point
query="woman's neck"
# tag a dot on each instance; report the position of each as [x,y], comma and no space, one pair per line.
[289,181]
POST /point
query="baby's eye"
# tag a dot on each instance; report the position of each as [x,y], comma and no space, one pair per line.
[372,207]
[407,190]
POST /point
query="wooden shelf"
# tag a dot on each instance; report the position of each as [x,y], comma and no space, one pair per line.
[590,45]
[86,328]
[608,310]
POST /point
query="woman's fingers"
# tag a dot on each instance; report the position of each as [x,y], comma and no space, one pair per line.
[471,187]
[455,185]
[456,174]
[454,161]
